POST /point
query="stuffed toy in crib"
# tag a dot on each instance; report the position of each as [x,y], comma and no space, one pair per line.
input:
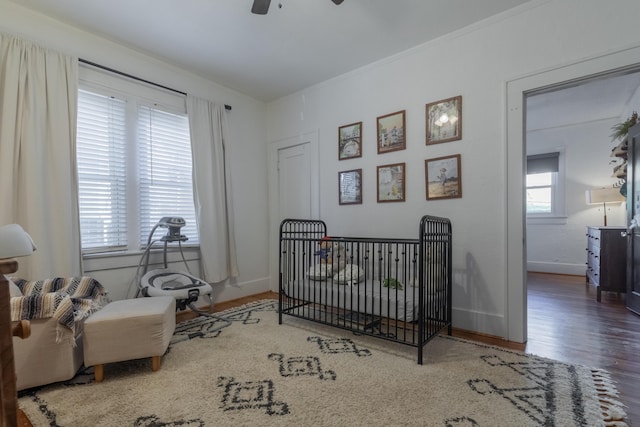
[331,254]
[332,259]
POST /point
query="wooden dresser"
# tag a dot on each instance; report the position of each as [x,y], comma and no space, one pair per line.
[607,259]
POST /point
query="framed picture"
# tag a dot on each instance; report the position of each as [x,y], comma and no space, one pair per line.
[391,135]
[391,186]
[350,187]
[350,141]
[444,120]
[443,176]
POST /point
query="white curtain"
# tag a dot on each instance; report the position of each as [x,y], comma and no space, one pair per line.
[212,189]
[38,179]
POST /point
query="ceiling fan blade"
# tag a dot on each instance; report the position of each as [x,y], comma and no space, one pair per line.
[260,7]
[337,1]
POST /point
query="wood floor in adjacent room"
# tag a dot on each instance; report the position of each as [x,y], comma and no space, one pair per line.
[566,323]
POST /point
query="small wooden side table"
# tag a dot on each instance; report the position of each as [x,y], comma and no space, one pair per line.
[9,412]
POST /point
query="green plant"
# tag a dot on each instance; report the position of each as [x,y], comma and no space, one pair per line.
[622,129]
[392,283]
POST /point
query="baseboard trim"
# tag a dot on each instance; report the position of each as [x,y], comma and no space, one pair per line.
[556,268]
[479,322]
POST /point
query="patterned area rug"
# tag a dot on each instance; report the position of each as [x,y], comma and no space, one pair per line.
[258,373]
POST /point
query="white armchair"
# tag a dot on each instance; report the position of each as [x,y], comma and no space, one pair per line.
[56,309]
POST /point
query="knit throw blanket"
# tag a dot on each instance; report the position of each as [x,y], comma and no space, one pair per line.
[68,300]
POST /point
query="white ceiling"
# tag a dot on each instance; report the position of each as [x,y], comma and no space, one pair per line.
[305,42]
[268,56]
[600,98]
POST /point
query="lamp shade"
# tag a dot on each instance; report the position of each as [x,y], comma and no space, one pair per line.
[603,195]
[15,242]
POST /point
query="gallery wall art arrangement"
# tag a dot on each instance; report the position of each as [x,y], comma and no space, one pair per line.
[443,175]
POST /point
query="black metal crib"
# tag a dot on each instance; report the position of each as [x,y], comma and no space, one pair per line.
[394,289]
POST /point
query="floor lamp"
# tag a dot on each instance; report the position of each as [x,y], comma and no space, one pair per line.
[14,242]
[603,196]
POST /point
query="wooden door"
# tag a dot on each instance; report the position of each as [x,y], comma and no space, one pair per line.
[633,211]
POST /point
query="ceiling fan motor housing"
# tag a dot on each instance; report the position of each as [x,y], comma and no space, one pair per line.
[261,7]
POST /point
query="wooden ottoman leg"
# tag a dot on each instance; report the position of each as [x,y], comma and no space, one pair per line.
[98,371]
[155,362]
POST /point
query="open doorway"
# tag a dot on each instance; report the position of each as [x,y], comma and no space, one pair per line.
[569,145]
[516,227]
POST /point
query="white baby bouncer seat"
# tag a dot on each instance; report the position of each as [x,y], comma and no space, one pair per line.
[183,286]
[178,284]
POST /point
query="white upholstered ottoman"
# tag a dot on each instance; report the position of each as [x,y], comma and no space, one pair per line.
[129,329]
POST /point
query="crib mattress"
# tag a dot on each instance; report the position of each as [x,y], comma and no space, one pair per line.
[368,297]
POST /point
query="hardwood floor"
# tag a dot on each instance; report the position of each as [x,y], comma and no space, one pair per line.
[566,323]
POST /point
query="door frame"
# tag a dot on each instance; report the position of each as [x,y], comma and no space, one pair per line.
[515,227]
[633,140]
[273,150]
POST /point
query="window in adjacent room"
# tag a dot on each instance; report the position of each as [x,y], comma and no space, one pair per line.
[134,163]
[545,185]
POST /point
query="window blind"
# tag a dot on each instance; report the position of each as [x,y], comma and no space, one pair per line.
[164,171]
[541,163]
[101,141]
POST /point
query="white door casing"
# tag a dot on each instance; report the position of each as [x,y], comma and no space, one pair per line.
[516,90]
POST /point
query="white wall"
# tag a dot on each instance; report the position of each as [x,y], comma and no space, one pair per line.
[632,106]
[247,150]
[560,247]
[476,63]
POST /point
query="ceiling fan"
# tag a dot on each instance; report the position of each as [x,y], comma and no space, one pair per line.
[261,7]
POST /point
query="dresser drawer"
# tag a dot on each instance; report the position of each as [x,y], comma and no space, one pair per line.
[593,275]
[606,259]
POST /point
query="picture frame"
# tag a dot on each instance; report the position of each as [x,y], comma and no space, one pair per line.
[350,187]
[443,176]
[444,120]
[391,132]
[350,141]
[391,183]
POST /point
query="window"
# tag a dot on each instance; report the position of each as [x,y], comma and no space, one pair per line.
[134,165]
[164,170]
[101,159]
[545,189]
[540,191]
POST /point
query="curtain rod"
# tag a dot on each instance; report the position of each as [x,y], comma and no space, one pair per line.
[226,106]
